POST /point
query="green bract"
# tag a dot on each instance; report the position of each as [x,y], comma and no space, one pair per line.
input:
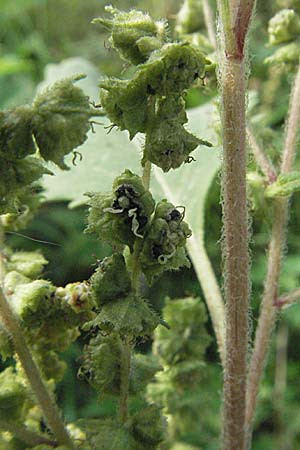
[164,243]
[121,217]
[284,27]
[111,280]
[134,34]
[287,54]
[284,186]
[130,316]
[61,120]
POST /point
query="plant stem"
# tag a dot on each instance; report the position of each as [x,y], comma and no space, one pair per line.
[125,379]
[288,299]
[262,161]
[211,290]
[30,437]
[48,407]
[235,18]
[267,315]
[268,312]
[235,253]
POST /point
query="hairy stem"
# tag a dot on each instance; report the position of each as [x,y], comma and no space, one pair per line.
[235,253]
[48,407]
[30,437]
[267,315]
[268,312]
[125,379]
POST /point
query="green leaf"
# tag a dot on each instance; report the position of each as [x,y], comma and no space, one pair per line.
[285,185]
[105,156]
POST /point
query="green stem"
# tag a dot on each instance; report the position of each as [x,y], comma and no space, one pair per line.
[31,438]
[262,161]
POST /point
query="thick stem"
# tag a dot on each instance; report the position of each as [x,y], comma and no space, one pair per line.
[31,438]
[235,253]
[48,407]
[125,379]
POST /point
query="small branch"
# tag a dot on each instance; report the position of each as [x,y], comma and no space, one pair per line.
[48,407]
[262,161]
[209,22]
[31,438]
[211,290]
[292,128]
[125,379]
[267,315]
[287,299]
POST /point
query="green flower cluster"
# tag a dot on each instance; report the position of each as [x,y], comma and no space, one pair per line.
[123,217]
[50,316]
[152,102]
[122,316]
[55,124]
[284,30]
[181,351]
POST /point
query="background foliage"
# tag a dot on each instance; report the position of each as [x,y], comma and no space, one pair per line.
[34,33]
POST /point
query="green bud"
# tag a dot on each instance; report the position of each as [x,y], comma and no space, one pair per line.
[61,120]
[16,133]
[134,34]
[164,243]
[28,298]
[125,103]
[142,371]
[187,337]
[12,395]
[148,427]
[130,316]
[12,280]
[107,434]
[287,54]
[284,27]
[101,364]
[190,17]
[284,186]
[169,144]
[111,280]
[121,217]
[174,68]
[29,264]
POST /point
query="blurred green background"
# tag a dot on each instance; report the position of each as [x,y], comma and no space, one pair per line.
[34,33]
